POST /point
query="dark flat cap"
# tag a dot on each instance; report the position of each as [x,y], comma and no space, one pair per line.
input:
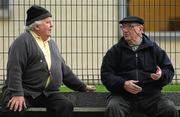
[132,19]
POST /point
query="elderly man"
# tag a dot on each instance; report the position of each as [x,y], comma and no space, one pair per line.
[36,69]
[134,70]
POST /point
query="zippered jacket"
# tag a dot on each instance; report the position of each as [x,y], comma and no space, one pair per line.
[121,63]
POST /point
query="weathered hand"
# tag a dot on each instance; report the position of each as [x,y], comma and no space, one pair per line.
[157,75]
[16,103]
[90,88]
[130,86]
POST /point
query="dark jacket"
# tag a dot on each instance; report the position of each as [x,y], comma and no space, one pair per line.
[121,63]
[27,70]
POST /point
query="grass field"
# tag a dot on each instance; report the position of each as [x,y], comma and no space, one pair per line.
[101,88]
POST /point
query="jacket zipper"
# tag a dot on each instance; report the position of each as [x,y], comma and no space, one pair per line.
[137,77]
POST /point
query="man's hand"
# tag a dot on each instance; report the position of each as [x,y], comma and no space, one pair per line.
[90,88]
[157,75]
[17,103]
[131,87]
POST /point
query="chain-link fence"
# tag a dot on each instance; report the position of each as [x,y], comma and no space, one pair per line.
[85,29]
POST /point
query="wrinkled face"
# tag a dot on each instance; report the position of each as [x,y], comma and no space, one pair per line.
[131,31]
[44,28]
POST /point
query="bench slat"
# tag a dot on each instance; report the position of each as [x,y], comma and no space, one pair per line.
[89,109]
[76,109]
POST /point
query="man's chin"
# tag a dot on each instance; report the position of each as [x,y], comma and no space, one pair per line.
[49,35]
[126,38]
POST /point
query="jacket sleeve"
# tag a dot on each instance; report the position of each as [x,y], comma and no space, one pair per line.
[71,80]
[166,66]
[17,59]
[112,82]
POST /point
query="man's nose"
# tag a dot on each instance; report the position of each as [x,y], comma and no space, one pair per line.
[125,29]
[51,25]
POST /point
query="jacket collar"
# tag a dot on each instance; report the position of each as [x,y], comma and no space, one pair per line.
[146,42]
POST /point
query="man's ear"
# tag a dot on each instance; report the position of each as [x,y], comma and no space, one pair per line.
[36,27]
[141,28]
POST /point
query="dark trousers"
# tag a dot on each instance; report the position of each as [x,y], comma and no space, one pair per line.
[152,106]
[57,106]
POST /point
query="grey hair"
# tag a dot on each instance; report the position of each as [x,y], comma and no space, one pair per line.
[33,25]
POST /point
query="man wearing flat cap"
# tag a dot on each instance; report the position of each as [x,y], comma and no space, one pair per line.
[134,70]
[36,69]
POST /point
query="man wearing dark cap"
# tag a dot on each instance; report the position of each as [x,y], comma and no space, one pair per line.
[134,70]
[36,69]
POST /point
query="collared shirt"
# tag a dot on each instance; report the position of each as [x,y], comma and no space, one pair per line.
[44,45]
[134,47]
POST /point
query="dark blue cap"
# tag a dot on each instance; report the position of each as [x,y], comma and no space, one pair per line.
[132,19]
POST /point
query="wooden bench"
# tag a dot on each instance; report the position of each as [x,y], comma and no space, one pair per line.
[94,103]
[90,104]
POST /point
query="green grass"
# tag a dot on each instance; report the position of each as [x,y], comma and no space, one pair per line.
[172,88]
[101,88]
